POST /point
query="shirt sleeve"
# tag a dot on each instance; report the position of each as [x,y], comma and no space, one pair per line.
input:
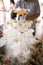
[33,13]
[37,7]
[17,4]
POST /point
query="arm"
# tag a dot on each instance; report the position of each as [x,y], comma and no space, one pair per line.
[4,9]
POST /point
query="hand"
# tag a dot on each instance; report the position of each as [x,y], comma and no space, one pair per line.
[4,9]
